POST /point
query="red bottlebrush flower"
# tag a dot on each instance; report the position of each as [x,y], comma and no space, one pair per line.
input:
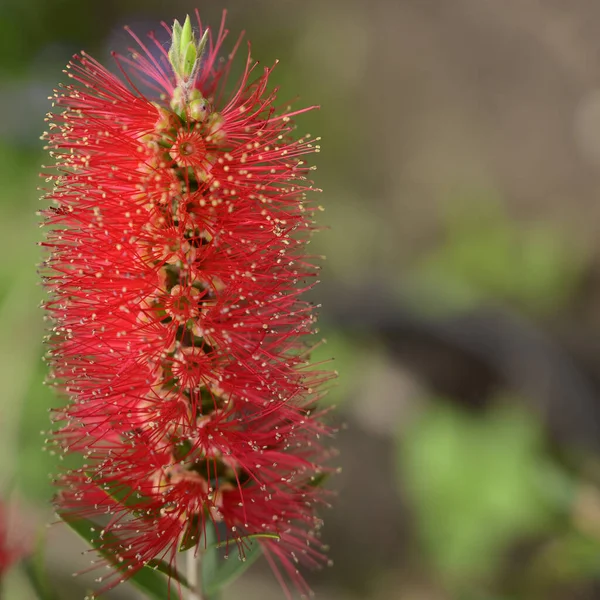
[176,258]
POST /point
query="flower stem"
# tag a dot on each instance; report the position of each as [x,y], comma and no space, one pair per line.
[193,574]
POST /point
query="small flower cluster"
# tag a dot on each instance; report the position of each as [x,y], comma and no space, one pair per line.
[176,255]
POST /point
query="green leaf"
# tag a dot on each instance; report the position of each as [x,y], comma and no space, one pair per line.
[126,496]
[37,581]
[169,571]
[148,579]
[191,539]
[231,569]
[252,536]
[210,558]
[35,570]
[217,572]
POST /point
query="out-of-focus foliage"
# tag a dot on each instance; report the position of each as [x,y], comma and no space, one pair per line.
[485,257]
[418,99]
[478,484]
[343,354]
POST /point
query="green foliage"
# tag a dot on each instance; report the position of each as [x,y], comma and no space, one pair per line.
[487,257]
[346,356]
[43,23]
[148,579]
[571,557]
[33,463]
[217,571]
[477,485]
[35,571]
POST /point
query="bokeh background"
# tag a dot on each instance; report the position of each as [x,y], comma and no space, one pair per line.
[460,296]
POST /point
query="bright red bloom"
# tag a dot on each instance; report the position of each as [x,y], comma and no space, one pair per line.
[176,261]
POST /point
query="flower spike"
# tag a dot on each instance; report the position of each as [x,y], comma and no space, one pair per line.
[176,261]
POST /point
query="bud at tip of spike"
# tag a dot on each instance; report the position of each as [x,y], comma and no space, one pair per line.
[187,48]
[185,52]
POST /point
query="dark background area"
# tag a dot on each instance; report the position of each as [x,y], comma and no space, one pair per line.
[460,296]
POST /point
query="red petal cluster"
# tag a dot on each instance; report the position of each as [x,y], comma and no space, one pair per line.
[176,258]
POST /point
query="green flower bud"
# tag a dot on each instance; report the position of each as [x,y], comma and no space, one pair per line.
[185,52]
[199,109]
[166,119]
[177,100]
[188,52]
[195,94]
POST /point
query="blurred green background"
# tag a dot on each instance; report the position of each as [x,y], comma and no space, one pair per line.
[461,291]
